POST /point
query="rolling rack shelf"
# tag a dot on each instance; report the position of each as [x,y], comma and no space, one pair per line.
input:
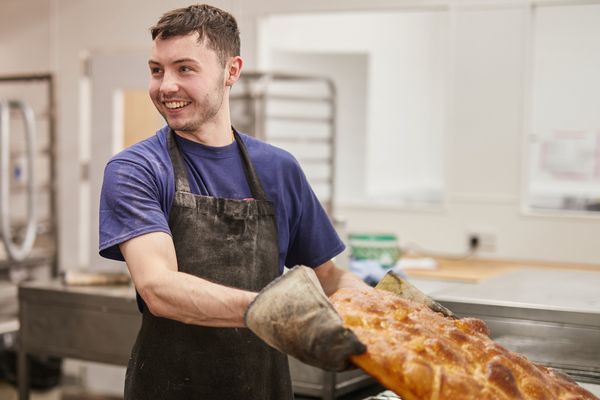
[28,245]
[296,113]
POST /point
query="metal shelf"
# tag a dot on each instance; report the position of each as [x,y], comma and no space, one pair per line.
[43,193]
[310,104]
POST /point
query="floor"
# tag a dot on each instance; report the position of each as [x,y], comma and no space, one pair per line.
[9,392]
[358,395]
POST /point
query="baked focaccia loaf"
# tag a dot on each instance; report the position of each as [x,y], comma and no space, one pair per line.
[420,354]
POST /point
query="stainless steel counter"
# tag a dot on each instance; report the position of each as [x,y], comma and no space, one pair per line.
[87,323]
[553,289]
[100,324]
[9,322]
[593,388]
[551,316]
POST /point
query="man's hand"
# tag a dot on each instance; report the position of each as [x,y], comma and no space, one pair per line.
[293,315]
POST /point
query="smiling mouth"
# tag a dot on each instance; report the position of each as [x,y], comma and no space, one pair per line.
[175,105]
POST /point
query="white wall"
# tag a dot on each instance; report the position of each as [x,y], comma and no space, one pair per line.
[407,63]
[484,143]
[25,36]
[484,147]
[565,123]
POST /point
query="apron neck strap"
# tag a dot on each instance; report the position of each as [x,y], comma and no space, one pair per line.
[255,186]
[181,177]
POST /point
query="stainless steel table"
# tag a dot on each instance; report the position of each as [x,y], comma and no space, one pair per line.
[551,316]
[88,323]
[100,324]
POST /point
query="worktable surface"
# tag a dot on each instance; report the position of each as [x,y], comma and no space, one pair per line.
[477,269]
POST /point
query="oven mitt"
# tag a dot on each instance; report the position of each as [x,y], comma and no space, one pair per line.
[293,315]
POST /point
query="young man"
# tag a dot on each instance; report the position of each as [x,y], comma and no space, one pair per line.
[206,217]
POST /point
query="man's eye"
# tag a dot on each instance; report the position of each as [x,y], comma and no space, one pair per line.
[155,70]
[185,69]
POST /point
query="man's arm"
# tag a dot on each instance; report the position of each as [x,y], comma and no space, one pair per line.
[333,278]
[176,295]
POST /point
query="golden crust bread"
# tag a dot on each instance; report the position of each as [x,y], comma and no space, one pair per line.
[419,354]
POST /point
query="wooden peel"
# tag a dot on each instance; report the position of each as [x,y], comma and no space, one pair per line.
[391,282]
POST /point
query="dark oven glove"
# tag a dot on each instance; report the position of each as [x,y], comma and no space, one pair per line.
[293,315]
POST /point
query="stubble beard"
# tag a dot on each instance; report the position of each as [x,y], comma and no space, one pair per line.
[185,126]
[205,114]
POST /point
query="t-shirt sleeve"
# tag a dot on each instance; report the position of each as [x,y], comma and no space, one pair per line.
[129,206]
[313,239]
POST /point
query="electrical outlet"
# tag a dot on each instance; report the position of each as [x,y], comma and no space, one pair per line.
[481,240]
[473,242]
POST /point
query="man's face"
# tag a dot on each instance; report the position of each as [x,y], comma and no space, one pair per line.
[187,83]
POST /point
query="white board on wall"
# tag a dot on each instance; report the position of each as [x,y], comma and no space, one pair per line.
[565,117]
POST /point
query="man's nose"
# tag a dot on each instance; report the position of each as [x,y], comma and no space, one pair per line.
[169,84]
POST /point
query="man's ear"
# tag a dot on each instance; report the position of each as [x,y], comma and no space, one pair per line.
[234,69]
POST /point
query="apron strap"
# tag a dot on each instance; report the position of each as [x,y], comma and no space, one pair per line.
[180,171]
[255,186]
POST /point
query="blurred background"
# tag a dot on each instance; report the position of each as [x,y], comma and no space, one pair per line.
[466,133]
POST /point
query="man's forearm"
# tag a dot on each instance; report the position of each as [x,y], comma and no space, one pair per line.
[192,300]
[176,295]
[333,278]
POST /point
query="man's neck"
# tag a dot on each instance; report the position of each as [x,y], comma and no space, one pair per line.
[210,136]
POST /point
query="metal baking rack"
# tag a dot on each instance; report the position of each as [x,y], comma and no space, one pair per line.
[28,245]
[296,113]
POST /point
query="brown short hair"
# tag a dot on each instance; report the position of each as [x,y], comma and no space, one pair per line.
[218,27]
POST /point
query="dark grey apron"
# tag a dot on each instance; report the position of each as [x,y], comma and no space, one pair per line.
[226,241]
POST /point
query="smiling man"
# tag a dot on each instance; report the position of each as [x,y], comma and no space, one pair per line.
[190,87]
[206,218]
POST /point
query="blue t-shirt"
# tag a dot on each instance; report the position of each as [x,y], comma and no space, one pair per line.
[138,190]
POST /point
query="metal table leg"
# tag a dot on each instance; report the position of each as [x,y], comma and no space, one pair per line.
[23,363]
[23,374]
[329,386]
